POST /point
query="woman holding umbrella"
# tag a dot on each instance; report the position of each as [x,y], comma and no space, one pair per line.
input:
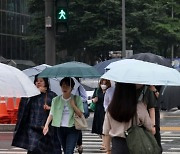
[62,115]
[32,115]
[119,115]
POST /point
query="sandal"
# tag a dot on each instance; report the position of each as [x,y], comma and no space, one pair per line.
[80,149]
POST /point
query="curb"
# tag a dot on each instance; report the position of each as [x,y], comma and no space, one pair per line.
[11,127]
[7,127]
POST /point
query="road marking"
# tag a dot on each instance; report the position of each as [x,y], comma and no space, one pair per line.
[166,140]
[169,128]
[17,148]
[11,152]
[173,137]
[6,132]
[175,148]
[171,116]
[170,152]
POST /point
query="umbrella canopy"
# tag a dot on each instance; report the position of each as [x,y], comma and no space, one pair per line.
[14,83]
[70,69]
[32,71]
[102,65]
[169,97]
[54,82]
[140,72]
[153,58]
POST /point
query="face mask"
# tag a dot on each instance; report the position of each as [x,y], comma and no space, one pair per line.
[103,86]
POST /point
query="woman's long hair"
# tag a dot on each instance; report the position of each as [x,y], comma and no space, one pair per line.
[124,102]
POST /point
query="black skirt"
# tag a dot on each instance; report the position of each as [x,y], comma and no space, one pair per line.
[119,146]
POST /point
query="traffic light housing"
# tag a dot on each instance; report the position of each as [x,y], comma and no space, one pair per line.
[62,16]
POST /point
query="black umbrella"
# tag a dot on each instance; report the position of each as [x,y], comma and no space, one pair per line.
[100,67]
[153,58]
[169,97]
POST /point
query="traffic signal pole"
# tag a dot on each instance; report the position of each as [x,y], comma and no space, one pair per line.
[50,49]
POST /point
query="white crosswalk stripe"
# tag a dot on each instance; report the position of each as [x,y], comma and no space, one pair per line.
[169,142]
[92,144]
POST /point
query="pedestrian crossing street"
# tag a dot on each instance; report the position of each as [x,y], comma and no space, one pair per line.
[92,144]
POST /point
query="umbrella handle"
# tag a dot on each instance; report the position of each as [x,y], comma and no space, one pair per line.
[45,99]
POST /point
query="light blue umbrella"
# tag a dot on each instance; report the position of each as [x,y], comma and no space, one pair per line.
[140,72]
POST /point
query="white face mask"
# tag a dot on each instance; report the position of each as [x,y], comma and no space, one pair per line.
[103,86]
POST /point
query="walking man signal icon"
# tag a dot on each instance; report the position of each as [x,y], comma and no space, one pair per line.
[62,15]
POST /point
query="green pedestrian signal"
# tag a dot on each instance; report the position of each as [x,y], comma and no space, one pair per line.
[62,15]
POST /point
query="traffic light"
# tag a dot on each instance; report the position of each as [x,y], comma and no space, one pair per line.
[61,16]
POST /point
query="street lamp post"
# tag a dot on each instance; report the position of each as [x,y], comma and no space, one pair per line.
[123,30]
[172,47]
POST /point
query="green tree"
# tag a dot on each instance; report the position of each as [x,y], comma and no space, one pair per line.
[36,29]
[95,28]
[153,28]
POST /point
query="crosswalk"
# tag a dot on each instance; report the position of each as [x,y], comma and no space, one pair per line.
[92,144]
[170,142]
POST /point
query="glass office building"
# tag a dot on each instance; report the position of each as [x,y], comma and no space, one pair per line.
[14,18]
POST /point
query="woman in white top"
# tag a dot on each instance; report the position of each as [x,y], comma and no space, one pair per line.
[62,115]
[121,110]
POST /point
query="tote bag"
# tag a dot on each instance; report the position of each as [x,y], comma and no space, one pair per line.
[80,122]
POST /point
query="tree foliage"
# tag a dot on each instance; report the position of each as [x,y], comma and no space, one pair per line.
[36,29]
[95,27]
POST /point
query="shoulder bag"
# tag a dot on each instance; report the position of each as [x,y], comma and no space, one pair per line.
[141,141]
[80,122]
[92,104]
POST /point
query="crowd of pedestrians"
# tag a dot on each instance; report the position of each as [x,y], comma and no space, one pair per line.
[45,122]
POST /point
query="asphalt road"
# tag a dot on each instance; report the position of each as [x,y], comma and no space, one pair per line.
[170,134]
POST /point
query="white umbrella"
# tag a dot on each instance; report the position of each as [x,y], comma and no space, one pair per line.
[140,72]
[54,82]
[14,83]
[31,72]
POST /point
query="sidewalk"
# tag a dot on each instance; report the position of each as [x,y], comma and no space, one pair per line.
[7,127]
